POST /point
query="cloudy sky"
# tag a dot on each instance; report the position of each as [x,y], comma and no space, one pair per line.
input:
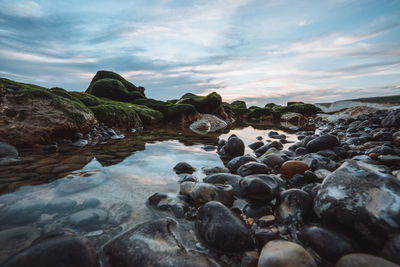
[255,50]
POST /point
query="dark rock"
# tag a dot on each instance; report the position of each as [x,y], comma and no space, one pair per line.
[327,243]
[360,197]
[256,145]
[315,161]
[60,205]
[261,150]
[90,203]
[273,161]
[235,163]
[322,142]
[250,168]
[178,205]
[250,259]
[363,260]
[66,251]
[23,212]
[255,209]
[310,177]
[294,206]
[118,213]
[80,143]
[183,167]
[263,236]
[392,119]
[163,242]
[225,178]
[301,151]
[391,249]
[234,146]
[221,230]
[201,193]
[279,253]
[396,138]
[260,189]
[8,151]
[213,170]
[88,219]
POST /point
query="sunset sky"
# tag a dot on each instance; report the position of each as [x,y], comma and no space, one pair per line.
[258,51]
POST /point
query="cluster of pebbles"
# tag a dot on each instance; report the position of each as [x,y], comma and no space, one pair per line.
[330,199]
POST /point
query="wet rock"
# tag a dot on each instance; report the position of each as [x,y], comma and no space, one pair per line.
[212,170]
[392,119]
[322,174]
[311,177]
[396,138]
[315,161]
[292,167]
[220,229]
[250,259]
[327,243]
[90,203]
[256,145]
[23,212]
[267,220]
[170,202]
[88,219]
[207,123]
[360,197]
[209,148]
[234,146]
[78,184]
[279,253]
[235,163]
[225,178]
[260,189]
[163,242]
[250,168]
[68,251]
[8,151]
[390,159]
[322,142]
[294,206]
[201,193]
[60,205]
[391,249]
[255,209]
[80,143]
[185,177]
[183,167]
[118,213]
[263,236]
[273,161]
[261,150]
[300,151]
[363,260]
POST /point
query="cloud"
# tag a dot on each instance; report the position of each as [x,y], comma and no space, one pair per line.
[26,9]
[304,22]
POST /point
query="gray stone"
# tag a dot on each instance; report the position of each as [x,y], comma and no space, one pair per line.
[363,260]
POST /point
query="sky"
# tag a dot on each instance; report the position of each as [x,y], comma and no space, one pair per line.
[259,51]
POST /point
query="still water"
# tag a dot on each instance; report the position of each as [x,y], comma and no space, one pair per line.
[102,190]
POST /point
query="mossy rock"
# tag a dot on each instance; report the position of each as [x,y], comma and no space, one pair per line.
[117,115]
[176,111]
[152,103]
[61,92]
[113,89]
[270,105]
[209,104]
[303,109]
[227,108]
[239,108]
[104,74]
[294,103]
[87,99]
[148,115]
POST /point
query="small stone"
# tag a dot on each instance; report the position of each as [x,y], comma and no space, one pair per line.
[292,167]
[267,220]
[183,167]
[363,260]
[322,142]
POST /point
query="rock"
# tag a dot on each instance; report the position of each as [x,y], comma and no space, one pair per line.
[209,148]
[363,260]
[327,243]
[300,151]
[311,177]
[213,170]
[261,150]
[322,142]
[201,193]
[292,167]
[396,138]
[183,167]
[264,235]
[294,206]
[360,197]
[88,218]
[220,229]
[163,242]
[225,178]
[260,189]
[8,151]
[68,251]
[390,159]
[322,174]
[78,184]
[256,145]
[250,259]
[118,213]
[90,203]
[295,118]
[392,119]
[273,161]
[235,163]
[279,253]
[250,168]
[170,202]
[315,161]
[234,146]
[391,249]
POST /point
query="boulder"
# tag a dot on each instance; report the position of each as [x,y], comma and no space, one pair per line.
[250,168]
[360,197]
[220,229]
[201,193]
[322,142]
[183,167]
[207,124]
[234,146]
[236,162]
[264,189]
[294,206]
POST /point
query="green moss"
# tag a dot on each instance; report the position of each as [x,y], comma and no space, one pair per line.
[87,99]
[175,111]
[61,92]
[148,115]
[304,109]
[206,104]
[294,103]
[270,105]
[117,115]
[113,89]
[152,103]
[239,108]
[103,74]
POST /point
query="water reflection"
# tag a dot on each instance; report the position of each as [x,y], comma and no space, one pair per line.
[104,188]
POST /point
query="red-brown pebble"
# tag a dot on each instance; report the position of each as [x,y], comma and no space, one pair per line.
[292,167]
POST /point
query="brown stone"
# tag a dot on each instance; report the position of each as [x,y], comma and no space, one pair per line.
[292,167]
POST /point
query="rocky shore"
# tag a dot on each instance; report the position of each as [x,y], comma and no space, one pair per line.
[332,198]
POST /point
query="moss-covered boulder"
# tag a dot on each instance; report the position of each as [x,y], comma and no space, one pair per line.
[30,114]
[87,99]
[104,74]
[113,89]
[239,108]
[178,112]
[209,104]
[117,115]
[303,109]
[152,103]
